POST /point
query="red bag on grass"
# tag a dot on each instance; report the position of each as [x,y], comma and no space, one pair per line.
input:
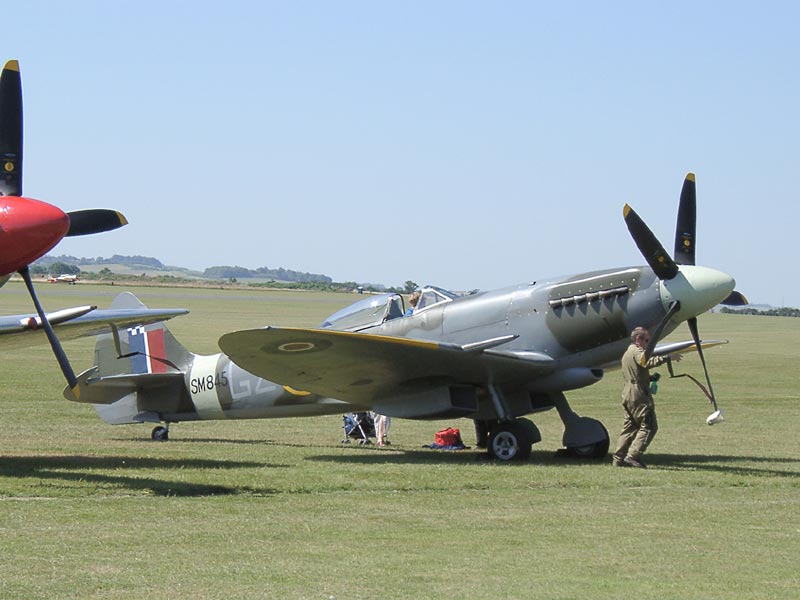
[448,437]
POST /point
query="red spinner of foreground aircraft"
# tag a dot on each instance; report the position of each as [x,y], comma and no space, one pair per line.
[30,228]
[491,356]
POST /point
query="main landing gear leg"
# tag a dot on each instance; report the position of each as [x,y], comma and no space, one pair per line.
[584,437]
[510,438]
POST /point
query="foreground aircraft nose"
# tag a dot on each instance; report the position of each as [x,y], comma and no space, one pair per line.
[28,229]
[698,289]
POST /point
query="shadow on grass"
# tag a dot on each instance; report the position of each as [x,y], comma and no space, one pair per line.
[727,464]
[469,456]
[88,469]
[242,442]
[717,463]
[174,439]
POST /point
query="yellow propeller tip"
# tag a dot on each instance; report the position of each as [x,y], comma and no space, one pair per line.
[690,177]
[12,65]
[626,209]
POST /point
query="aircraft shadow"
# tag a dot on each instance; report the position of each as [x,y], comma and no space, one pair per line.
[717,463]
[260,442]
[726,464]
[178,440]
[468,456]
[83,469]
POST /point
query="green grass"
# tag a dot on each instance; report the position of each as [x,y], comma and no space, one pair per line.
[280,509]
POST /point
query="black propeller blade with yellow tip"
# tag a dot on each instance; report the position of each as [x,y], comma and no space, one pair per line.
[652,250]
[686,225]
[11,130]
[95,220]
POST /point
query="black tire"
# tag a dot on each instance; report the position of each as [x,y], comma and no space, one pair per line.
[160,434]
[510,441]
[533,431]
[594,451]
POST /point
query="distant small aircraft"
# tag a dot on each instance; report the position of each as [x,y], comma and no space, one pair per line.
[71,279]
[491,356]
[30,228]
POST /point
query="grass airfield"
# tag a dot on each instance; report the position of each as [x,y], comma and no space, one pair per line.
[281,509]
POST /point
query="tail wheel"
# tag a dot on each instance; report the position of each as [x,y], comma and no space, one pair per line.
[160,434]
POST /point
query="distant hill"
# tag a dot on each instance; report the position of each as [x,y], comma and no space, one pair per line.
[139,261]
[151,266]
[280,274]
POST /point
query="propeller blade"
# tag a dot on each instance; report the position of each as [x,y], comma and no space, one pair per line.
[652,250]
[55,344]
[735,299]
[685,230]
[11,130]
[655,335]
[696,337]
[95,220]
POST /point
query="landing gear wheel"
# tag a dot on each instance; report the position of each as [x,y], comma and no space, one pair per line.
[594,451]
[160,434]
[510,441]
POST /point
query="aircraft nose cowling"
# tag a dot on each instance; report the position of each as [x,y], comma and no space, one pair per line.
[698,289]
[28,229]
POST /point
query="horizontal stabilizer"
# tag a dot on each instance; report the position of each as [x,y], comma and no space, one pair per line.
[106,390]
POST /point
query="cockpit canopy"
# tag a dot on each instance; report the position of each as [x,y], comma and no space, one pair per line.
[368,312]
[431,295]
[374,310]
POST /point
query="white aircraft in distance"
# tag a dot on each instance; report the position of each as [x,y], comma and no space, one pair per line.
[71,279]
[491,356]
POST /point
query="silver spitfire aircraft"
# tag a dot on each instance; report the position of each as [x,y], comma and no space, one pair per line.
[491,356]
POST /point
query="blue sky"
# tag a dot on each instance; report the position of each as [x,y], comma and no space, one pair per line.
[465,144]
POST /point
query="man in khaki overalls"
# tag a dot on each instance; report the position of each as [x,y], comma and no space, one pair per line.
[640,424]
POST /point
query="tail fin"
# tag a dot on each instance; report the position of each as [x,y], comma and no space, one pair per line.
[141,349]
[138,373]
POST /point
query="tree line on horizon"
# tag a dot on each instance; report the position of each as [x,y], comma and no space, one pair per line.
[279,278]
[772,312]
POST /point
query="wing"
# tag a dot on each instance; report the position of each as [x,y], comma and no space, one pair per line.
[359,368]
[23,330]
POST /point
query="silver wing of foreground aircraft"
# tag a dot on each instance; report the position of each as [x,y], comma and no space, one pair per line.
[71,323]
